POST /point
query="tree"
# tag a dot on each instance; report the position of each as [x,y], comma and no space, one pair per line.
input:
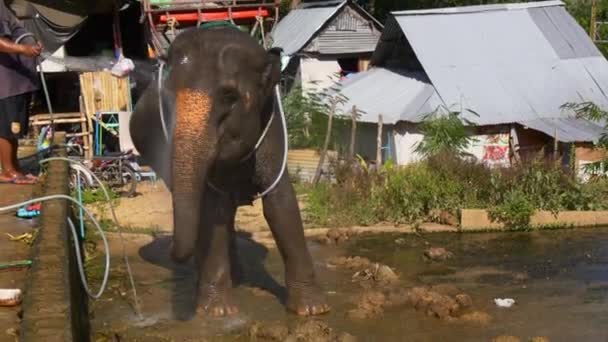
[444,131]
[592,112]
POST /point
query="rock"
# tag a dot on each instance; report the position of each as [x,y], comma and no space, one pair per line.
[477,317]
[270,331]
[438,254]
[505,338]
[464,300]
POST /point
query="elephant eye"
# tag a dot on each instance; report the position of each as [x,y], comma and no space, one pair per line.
[229,96]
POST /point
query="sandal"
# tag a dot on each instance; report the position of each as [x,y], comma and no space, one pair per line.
[19,181]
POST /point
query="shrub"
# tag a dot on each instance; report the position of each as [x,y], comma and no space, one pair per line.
[514,211]
[444,182]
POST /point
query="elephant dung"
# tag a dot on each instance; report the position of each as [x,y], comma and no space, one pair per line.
[438,254]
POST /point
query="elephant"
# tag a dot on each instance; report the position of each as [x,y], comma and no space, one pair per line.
[217,100]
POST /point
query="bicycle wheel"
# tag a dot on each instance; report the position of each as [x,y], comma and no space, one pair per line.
[129,180]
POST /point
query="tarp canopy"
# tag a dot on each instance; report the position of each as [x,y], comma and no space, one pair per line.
[52,27]
[80,7]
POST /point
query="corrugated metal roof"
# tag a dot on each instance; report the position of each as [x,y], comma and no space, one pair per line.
[300,25]
[567,129]
[397,96]
[509,63]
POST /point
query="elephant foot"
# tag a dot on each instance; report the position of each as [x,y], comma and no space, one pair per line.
[306,300]
[214,301]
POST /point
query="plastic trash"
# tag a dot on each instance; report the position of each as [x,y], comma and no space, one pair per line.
[123,67]
[504,302]
[10,297]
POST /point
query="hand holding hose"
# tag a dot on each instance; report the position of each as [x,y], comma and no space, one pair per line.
[30,50]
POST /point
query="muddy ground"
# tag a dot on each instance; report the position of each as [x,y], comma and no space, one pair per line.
[382,287]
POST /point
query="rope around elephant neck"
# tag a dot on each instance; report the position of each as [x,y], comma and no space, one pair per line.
[277,95]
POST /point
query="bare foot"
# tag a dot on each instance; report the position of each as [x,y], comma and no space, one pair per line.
[306,299]
[214,301]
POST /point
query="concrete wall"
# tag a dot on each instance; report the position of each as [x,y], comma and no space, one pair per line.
[478,219]
[55,305]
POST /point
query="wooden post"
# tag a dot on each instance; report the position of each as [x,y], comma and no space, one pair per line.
[353,133]
[555,145]
[379,143]
[295,3]
[515,144]
[332,110]
[593,21]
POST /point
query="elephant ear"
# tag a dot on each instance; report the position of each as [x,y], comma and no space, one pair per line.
[272,72]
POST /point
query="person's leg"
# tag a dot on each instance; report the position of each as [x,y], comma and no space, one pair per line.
[22,105]
[6,160]
[12,112]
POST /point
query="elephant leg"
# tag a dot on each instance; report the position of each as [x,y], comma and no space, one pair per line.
[214,257]
[304,296]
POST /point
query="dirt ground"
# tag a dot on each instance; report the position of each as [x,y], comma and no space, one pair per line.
[11,251]
[151,208]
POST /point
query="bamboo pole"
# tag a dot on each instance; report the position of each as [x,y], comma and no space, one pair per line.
[379,143]
[353,133]
[332,111]
[593,21]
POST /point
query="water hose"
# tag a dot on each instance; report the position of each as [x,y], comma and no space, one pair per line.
[95,222]
[277,95]
[114,217]
[82,208]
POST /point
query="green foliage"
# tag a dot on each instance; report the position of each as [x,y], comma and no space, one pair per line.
[444,133]
[307,115]
[581,11]
[515,210]
[447,183]
[90,196]
[592,112]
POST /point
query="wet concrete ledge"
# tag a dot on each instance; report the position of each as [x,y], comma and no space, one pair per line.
[54,306]
[479,219]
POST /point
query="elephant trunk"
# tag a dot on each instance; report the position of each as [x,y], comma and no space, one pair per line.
[194,149]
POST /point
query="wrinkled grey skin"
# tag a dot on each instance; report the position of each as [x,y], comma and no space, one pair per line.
[237,77]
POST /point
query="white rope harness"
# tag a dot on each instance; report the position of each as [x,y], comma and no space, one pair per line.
[277,95]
